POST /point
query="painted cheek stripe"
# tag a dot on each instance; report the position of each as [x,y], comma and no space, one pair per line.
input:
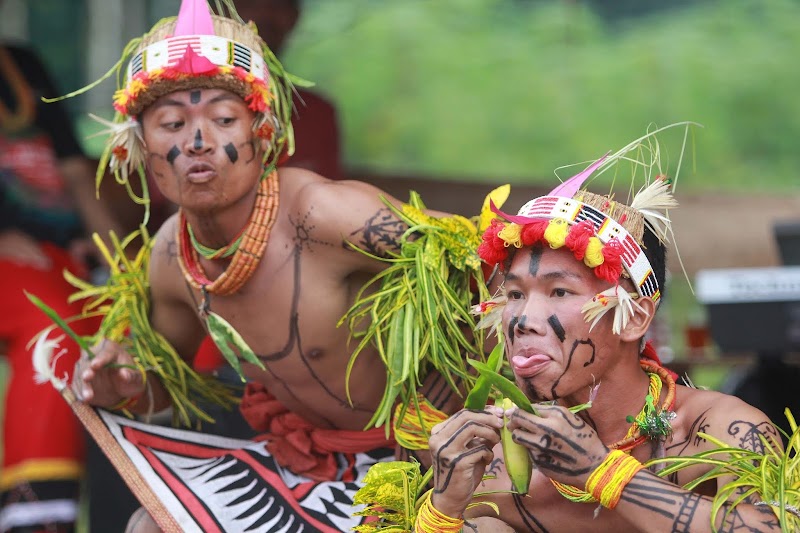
[173,154]
[233,154]
[555,323]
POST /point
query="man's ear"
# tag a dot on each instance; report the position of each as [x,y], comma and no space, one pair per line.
[640,321]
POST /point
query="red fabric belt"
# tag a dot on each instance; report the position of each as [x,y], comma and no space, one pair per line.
[299,445]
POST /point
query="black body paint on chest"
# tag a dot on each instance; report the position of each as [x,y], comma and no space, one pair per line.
[555,323]
[194,97]
[173,154]
[233,153]
[198,141]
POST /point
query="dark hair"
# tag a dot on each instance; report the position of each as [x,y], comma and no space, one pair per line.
[656,253]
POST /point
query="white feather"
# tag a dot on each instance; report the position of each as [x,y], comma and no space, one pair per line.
[492,311]
[44,363]
[616,298]
[625,309]
[128,135]
[652,202]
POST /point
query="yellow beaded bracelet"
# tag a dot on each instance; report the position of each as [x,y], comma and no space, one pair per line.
[431,520]
[609,479]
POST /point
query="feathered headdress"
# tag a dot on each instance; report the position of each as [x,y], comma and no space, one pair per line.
[605,234]
[196,49]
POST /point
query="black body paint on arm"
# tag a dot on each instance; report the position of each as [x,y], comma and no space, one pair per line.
[659,497]
[528,519]
[749,434]
[382,231]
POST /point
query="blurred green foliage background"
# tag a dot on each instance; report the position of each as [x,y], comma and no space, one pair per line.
[509,90]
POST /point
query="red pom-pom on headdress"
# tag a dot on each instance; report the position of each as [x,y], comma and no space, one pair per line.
[578,238]
[611,268]
[533,232]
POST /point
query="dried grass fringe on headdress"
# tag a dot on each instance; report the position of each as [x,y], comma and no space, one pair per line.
[124,150]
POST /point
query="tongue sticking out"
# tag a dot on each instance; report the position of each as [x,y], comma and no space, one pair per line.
[529,366]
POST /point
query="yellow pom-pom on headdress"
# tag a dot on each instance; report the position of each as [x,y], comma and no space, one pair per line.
[556,233]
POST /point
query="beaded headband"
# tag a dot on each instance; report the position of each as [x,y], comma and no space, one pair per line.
[207,52]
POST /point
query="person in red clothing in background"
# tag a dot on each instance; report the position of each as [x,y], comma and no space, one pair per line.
[47,200]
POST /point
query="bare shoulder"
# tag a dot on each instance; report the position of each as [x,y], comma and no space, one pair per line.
[342,210]
[724,417]
[308,190]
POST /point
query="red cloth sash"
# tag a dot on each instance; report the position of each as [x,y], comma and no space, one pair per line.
[299,445]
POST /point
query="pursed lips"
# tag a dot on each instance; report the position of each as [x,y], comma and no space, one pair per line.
[200,172]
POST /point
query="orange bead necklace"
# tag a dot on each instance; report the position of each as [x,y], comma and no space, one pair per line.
[247,255]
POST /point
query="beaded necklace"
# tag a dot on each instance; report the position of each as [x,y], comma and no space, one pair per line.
[251,245]
[650,423]
[215,253]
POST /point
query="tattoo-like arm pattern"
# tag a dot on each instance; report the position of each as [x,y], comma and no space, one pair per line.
[670,508]
[380,233]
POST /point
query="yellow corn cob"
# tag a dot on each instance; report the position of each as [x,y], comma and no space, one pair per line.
[518,462]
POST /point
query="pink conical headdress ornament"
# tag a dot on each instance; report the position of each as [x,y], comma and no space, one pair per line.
[571,186]
[194,18]
[566,190]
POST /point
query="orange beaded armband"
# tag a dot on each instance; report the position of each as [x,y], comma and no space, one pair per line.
[609,479]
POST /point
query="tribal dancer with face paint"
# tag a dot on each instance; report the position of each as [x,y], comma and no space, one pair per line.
[279,255]
[582,276]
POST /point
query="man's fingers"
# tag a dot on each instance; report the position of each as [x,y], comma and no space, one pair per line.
[471,432]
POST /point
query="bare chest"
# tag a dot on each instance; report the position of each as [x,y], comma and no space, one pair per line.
[288,314]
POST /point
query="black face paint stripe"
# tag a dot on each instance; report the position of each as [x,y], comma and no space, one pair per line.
[173,154]
[194,97]
[522,321]
[536,256]
[233,154]
[511,325]
[555,323]
[198,141]
[587,342]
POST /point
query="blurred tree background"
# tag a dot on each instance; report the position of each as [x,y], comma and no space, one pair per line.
[508,90]
[504,91]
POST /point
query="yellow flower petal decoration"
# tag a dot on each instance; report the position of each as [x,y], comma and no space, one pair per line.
[499,197]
